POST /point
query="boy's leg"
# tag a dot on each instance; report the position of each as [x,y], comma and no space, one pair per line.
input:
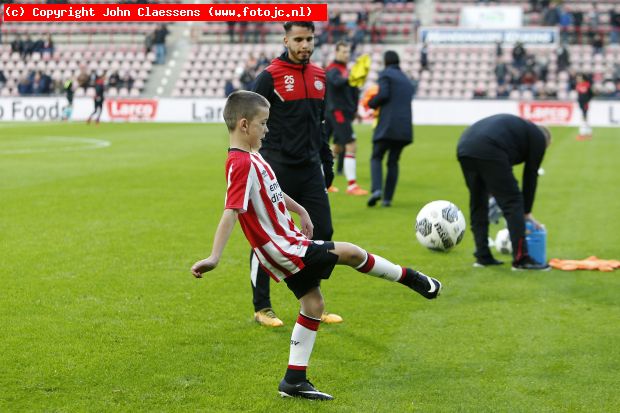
[354,256]
[295,382]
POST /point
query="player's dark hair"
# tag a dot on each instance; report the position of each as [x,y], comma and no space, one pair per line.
[341,43]
[289,25]
[391,58]
[243,104]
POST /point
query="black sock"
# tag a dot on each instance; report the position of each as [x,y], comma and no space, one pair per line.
[295,376]
[408,279]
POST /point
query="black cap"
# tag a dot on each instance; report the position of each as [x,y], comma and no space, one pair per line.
[391,58]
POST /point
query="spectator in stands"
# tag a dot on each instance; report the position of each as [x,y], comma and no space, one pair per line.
[48,45]
[593,21]
[499,50]
[597,44]
[335,27]
[376,28]
[614,21]
[519,55]
[231,30]
[2,79]
[148,42]
[24,87]
[114,80]
[501,72]
[261,62]
[514,76]
[528,79]
[551,17]
[17,45]
[83,79]
[578,22]
[356,36]
[542,68]
[424,57]
[616,72]
[502,92]
[230,87]
[41,83]
[28,47]
[127,80]
[416,22]
[159,41]
[243,28]
[563,59]
[394,129]
[566,22]
[247,76]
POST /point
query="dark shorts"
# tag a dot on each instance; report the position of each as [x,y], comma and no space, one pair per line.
[341,126]
[319,264]
[584,106]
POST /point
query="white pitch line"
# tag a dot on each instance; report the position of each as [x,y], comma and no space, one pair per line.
[91,144]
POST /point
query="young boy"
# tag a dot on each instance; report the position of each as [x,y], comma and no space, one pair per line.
[287,253]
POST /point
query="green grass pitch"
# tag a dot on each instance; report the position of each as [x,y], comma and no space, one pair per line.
[98,310]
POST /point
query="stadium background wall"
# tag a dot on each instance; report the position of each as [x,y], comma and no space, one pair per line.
[425,112]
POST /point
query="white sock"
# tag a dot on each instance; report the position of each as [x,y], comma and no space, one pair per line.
[380,267]
[302,341]
[349,168]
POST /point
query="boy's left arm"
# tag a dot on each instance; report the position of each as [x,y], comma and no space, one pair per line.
[224,229]
[307,228]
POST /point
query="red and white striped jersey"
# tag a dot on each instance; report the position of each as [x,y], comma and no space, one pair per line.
[254,191]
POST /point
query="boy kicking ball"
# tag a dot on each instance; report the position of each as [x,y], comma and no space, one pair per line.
[287,253]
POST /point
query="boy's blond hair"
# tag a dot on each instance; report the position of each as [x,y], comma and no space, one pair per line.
[243,104]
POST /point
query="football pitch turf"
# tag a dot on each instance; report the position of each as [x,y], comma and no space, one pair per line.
[100,225]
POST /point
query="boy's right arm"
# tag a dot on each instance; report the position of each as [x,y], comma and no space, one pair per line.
[224,229]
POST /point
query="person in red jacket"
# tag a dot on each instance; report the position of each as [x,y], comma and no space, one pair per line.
[583,87]
[296,146]
[340,110]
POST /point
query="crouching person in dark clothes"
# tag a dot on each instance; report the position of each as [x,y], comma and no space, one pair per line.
[487,150]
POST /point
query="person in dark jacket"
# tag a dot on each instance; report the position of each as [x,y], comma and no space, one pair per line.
[68,110]
[296,145]
[487,150]
[394,129]
[99,98]
[159,41]
[340,110]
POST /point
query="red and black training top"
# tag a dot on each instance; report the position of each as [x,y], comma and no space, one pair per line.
[584,92]
[296,93]
[340,95]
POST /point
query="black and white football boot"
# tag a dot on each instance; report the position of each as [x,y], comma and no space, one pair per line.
[424,285]
[305,390]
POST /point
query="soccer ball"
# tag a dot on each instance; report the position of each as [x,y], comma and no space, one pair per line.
[502,242]
[440,225]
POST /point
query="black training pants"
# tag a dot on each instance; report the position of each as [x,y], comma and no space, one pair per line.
[379,148]
[486,177]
